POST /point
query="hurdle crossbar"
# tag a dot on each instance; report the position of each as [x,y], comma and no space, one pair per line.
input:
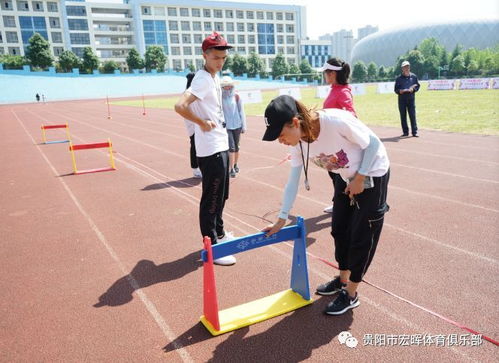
[50,127]
[100,145]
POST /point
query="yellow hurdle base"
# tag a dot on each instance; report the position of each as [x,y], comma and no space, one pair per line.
[256,311]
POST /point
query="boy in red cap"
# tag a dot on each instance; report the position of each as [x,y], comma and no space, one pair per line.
[201,103]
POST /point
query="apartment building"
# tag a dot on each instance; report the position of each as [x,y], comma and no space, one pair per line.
[179,26]
[316,52]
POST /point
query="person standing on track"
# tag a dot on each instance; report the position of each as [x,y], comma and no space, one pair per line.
[337,141]
[336,73]
[202,104]
[406,85]
[189,126]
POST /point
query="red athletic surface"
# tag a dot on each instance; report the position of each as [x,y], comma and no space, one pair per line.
[105,266]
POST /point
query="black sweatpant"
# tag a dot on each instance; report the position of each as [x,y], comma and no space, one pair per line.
[215,170]
[194,159]
[407,105]
[356,229]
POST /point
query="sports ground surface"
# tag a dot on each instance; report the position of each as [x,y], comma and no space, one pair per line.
[105,266]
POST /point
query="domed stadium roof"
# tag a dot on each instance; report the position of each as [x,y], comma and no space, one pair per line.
[384,47]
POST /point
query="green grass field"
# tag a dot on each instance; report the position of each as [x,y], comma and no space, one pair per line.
[469,111]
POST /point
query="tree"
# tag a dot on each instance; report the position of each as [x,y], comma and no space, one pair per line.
[192,68]
[416,58]
[90,60]
[239,65]
[457,66]
[134,60]
[279,67]
[359,73]
[457,51]
[109,66]
[382,73]
[227,64]
[372,70]
[255,65]
[430,67]
[472,68]
[13,61]
[38,52]
[155,58]
[430,47]
[306,68]
[68,60]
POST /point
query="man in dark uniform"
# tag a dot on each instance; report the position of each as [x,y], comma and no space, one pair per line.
[406,85]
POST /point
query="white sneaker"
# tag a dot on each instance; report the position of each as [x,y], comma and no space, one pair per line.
[229,236]
[328,209]
[225,261]
[197,173]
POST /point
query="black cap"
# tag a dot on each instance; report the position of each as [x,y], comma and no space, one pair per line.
[279,112]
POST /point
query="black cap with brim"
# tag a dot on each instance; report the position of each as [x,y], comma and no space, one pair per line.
[278,113]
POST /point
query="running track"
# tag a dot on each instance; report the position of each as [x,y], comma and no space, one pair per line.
[105,266]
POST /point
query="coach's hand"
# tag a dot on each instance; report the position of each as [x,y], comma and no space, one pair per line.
[274,228]
[208,125]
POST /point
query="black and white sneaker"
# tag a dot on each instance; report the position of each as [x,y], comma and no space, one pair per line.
[331,287]
[342,304]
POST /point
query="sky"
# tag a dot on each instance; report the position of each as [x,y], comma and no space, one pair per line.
[327,16]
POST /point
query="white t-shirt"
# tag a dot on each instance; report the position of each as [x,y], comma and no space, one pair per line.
[208,106]
[189,126]
[339,147]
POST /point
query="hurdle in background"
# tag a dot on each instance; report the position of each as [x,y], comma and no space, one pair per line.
[101,145]
[220,322]
[49,127]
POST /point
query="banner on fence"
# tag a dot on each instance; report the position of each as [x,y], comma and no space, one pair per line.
[385,87]
[251,96]
[495,83]
[293,92]
[358,89]
[474,83]
[441,84]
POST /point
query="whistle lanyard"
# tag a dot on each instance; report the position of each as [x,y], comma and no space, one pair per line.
[305,168]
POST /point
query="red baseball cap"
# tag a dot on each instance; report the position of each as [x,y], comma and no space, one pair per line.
[215,41]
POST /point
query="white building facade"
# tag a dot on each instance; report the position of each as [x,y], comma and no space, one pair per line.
[316,52]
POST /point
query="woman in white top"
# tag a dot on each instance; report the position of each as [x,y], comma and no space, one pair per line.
[336,141]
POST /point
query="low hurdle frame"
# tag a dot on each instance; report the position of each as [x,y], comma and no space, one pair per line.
[49,127]
[101,145]
[220,322]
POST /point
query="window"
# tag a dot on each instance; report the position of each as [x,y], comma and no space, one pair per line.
[230,27]
[58,51]
[280,50]
[146,10]
[241,50]
[290,16]
[11,37]
[266,39]
[219,27]
[56,37]
[251,39]
[175,50]
[185,25]
[37,6]
[196,13]
[278,16]
[231,39]
[7,5]
[229,14]
[198,51]
[251,27]
[173,25]
[159,11]
[207,26]
[78,10]
[239,14]
[155,33]
[252,49]
[250,14]
[291,50]
[290,28]
[77,24]
[259,15]
[187,50]
[22,6]
[9,21]
[196,25]
[79,38]
[207,13]
[184,12]
[240,27]
[78,51]
[198,38]
[30,25]
[14,51]
[174,39]
[290,39]
[241,39]
[172,11]
[270,15]
[177,64]
[186,38]
[218,13]
[54,23]
[291,61]
[52,7]
[1,40]
[280,28]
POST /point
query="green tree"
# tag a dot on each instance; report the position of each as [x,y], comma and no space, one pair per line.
[457,66]
[38,52]
[293,69]
[430,66]
[458,49]
[134,60]
[382,74]
[255,65]
[13,61]
[109,66]
[227,64]
[155,58]
[280,66]
[90,60]
[416,59]
[306,68]
[192,68]
[68,60]
[359,73]
[472,68]
[430,47]
[239,65]
[372,70]
[444,58]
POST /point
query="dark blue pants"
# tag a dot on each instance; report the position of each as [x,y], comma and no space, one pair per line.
[408,106]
